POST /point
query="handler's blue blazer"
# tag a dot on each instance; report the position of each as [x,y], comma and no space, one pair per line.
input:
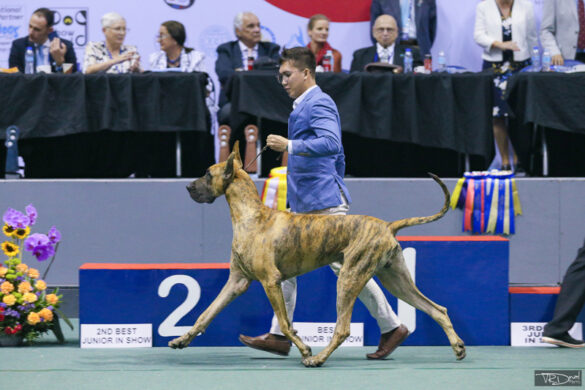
[317,164]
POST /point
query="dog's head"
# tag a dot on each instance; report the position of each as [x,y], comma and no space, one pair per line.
[216,179]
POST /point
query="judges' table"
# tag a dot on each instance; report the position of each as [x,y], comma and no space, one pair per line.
[552,100]
[52,105]
[79,106]
[450,111]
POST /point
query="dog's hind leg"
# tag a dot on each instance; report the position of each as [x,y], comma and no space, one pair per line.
[236,285]
[396,279]
[274,293]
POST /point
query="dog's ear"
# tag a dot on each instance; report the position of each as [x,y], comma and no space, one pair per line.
[237,158]
[230,170]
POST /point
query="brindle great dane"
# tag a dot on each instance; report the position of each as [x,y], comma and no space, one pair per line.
[271,246]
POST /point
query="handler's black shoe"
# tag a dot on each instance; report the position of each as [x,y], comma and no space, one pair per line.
[564,340]
[268,342]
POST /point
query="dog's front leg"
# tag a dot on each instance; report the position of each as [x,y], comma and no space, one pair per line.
[236,285]
[274,294]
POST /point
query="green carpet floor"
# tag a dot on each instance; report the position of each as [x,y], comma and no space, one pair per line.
[48,365]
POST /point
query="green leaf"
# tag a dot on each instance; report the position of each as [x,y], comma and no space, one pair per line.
[62,315]
[56,328]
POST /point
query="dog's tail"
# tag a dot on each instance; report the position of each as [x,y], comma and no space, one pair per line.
[402,223]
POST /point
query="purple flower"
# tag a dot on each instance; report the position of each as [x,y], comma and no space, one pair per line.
[31,212]
[54,235]
[43,252]
[16,219]
[34,240]
[2,304]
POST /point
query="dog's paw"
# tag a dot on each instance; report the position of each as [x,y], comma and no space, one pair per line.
[459,350]
[312,361]
[180,342]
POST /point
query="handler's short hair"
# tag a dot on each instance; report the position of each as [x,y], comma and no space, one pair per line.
[301,57]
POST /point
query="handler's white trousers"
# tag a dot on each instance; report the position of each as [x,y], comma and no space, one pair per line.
[371,296]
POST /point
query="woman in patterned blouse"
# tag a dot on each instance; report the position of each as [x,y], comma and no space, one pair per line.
[173,53]
[111,55]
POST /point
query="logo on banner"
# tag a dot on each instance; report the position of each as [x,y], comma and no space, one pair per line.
[337,10]
[71,24]
[12,19]
[267,32]
[211,37]
[179,4]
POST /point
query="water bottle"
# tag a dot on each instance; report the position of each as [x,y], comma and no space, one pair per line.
[29,61]
[535,59]
[328,61]
[546,60]
[408,61]
[442,62]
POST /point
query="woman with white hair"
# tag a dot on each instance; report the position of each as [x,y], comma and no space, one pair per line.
[111,55]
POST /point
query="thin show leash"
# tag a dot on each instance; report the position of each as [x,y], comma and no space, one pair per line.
[255,158]
[258,155]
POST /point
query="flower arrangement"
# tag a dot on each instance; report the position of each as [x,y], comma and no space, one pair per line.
[27,309]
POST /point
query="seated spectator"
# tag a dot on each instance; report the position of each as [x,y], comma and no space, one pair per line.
[562,31]
[318,31]
[233,57]
[417,20]
[112,55]
[53,52]
[506,55]
[386,49]
[173,53]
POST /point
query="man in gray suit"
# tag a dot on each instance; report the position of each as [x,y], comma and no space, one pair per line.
[562,31]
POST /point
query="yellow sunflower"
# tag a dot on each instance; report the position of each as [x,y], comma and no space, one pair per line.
[21,233]
[8,230]
[10,249]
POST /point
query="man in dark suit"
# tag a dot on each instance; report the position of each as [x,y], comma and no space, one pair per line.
[424,28]
[54,52]
[233,57]
[385,31]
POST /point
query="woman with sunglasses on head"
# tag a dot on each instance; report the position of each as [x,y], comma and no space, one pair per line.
[173,54]
[112,55]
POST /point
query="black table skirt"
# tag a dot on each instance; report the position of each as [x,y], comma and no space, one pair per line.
[554,100]
[440,110]
[56,105]
[103,126]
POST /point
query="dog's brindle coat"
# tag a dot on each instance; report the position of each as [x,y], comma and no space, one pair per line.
[271,246]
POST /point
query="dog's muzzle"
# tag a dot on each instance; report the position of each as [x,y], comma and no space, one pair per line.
[200,193]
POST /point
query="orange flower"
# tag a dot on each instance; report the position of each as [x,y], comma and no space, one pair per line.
[29,297]
[3,271]
[6,287]
[40,285]
[9,299]
[52,299]
[46,314]
[33,318]
[24,287]
[21,268]
[33,273]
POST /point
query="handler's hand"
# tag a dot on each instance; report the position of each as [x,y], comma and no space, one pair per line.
[557,59]
[277,143]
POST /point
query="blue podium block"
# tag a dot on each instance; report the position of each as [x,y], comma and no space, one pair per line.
[468,275]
